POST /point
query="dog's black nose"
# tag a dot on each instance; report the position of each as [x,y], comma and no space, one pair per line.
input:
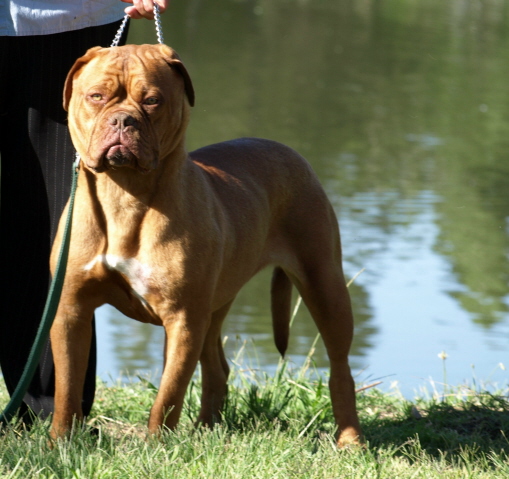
[123,120]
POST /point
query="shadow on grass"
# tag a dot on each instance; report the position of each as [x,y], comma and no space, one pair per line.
[477,423]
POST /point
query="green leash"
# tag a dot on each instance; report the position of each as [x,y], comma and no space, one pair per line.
[49,313]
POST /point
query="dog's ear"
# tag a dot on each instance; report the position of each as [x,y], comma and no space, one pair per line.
[78,65]
[171,57]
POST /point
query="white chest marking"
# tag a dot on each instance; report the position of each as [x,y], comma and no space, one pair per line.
[136,273]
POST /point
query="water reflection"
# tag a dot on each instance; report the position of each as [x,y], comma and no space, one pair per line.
[402,108]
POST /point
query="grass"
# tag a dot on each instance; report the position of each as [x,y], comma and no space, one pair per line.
[273,427]
[277,426]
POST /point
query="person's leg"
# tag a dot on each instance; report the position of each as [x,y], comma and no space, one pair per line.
[36,158]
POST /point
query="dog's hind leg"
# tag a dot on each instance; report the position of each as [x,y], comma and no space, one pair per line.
[215,371]
[324,292]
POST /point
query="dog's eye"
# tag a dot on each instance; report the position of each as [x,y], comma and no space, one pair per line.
[96,97]
[151,100]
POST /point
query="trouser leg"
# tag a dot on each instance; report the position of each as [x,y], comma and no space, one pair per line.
[36,158]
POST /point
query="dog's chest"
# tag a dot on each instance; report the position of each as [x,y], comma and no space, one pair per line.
[137,274]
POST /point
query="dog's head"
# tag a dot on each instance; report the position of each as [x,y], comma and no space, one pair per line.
[128,106]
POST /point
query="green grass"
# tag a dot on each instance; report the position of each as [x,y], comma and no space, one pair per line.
[274,427]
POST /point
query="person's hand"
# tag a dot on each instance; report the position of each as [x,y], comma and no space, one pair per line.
[144,8]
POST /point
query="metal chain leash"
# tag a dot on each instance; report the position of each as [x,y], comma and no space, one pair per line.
[159,28]
[157,19]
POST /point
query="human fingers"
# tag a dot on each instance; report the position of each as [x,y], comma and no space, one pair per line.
[144,8]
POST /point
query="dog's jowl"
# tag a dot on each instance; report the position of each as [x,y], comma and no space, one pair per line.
[169,237]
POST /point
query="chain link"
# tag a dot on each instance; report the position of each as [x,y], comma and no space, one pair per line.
[159,28]
[157,19]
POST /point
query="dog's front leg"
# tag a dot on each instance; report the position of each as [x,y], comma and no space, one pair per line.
[71,336]
[185,335]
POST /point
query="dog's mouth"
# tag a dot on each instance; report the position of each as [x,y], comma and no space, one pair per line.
[119,155]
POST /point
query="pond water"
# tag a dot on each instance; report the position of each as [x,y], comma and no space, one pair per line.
[402,108]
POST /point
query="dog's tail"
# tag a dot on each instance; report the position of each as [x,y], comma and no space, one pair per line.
[281,298]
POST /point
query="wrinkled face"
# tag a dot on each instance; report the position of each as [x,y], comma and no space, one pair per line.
[128,106]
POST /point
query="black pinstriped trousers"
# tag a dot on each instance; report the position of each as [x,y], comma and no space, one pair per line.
[36,166]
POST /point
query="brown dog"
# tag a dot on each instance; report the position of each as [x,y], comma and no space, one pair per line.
[169,237]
